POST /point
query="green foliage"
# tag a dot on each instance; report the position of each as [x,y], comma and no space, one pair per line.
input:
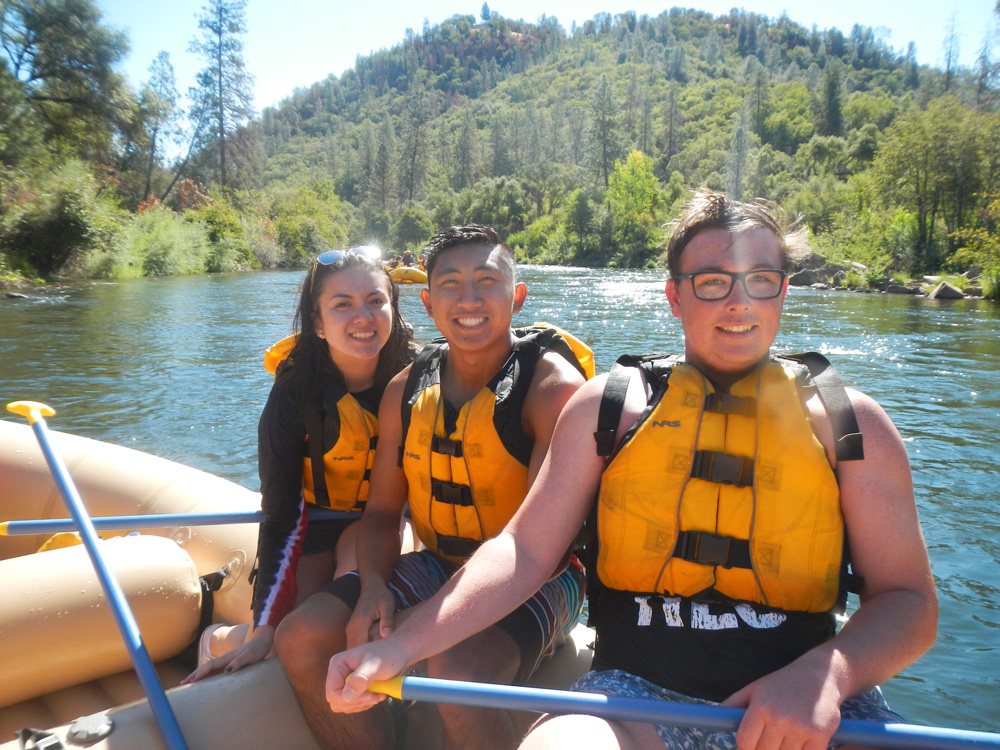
[309,221]
[58,221]
[412,229]
[634,195]
[159,242]
[224,226]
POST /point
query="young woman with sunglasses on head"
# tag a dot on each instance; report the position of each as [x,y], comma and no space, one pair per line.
[316,440]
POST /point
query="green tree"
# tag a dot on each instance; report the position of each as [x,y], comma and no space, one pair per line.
[158,102]
[633,195]
[64,59]
[223,98]
[605,136]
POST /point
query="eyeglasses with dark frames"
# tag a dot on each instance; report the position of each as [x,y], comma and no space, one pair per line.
[711,286]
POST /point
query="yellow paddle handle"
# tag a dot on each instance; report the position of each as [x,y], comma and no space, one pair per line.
[33,410]
[393,688]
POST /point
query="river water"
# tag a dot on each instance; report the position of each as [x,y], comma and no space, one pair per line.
[174,367]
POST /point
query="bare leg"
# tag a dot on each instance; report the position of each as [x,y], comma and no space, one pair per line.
[305,642]
[313,573]
[570,732]
[490,656]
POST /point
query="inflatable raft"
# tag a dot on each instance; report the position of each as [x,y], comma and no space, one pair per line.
[408,275]
[65,670]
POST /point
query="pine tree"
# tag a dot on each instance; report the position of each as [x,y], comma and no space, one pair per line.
[158,101]
[605,138]
[223,98]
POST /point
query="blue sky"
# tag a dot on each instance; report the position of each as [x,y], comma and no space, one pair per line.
[294,43]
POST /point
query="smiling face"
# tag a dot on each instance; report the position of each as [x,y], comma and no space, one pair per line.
[354,316]
[727,338]
[472,297]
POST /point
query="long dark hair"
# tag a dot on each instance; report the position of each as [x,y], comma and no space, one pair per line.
[310,356]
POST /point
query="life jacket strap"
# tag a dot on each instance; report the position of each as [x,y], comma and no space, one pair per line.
[451,493]
[448,447]
[723,468]
[724,403]
[711,549]
[610,410]
[456,546]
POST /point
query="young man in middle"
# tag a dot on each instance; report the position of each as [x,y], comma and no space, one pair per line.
[463,432]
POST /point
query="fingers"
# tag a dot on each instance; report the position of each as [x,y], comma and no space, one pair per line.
[209,668]
[387,619]
[347,688]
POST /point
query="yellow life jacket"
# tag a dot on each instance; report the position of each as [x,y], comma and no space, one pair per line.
[468,479]
[341,443]
[732,492]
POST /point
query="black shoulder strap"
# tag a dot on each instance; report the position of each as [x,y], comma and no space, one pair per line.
[847,437]
[417,371]
[613,400]
[610,413]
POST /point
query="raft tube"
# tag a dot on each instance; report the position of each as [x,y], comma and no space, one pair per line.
[408,275]
[114,481]
[56,629]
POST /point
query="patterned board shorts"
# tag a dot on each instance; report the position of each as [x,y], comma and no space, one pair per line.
[538,626]
[869,706]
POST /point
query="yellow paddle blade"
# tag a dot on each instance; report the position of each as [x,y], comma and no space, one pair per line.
[393,688]
[31,409]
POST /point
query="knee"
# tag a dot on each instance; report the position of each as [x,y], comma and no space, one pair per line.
[308,635]
[492,656]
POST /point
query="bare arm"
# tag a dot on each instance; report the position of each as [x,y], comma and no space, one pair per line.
[506,570]
[378,530]
[897,619]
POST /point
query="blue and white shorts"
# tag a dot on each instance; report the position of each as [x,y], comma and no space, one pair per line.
[869,706]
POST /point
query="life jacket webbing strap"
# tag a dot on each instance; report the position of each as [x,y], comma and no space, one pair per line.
[447,447]
[847,437]
[723,468]
[417,370]
[711,549]
[451,493]
[610,413]
[724,403]
[457,546]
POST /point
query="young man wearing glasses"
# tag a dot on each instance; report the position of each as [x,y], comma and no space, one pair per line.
[728,484]
[462,434]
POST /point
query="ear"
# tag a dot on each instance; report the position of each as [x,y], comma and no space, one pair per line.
[673,298]
[520,294]
[425,297]
[318,327]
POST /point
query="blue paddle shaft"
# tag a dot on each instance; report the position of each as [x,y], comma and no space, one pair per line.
[711,717]
[124,619]
[162,521]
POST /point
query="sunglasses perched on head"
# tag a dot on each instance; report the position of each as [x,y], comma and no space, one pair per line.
[369,253]
[761,283]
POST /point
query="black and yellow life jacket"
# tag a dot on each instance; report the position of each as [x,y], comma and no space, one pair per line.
[341,442]
[467,479]
[731,492]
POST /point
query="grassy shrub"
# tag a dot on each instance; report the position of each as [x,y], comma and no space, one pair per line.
[59,222]
[221,220]
[159,242]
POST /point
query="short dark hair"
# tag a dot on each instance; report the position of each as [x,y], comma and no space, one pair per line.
[711,210]
[478,235]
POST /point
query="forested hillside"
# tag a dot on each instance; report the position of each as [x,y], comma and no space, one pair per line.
[578,145]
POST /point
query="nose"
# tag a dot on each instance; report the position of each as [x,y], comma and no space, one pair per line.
[738,297]
[468,296]
[363,313]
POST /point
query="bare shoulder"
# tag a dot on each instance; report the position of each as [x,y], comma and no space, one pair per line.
[881,439]
[554,381]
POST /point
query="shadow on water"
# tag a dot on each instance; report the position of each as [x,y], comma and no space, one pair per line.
[174,367]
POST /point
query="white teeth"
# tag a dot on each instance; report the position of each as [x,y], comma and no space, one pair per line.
[363,336]
[470,322]
[736,329]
